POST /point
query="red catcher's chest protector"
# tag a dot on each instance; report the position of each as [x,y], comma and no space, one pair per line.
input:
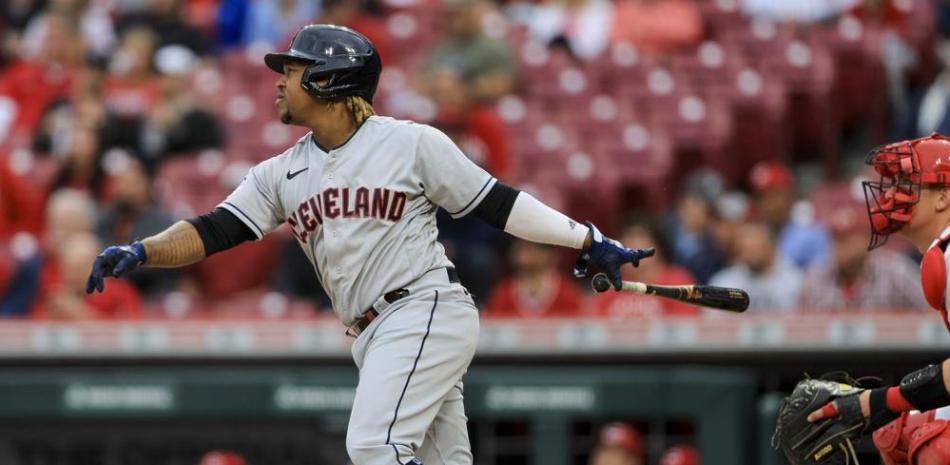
[933,276]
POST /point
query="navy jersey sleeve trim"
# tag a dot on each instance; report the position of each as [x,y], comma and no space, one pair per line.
[247,219]
[497,204]
[474,200]
[221,230]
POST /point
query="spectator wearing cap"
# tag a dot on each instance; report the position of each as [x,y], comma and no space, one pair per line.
[656,270]
[690,228]
[772,281]
[618,443]
[535,288]
[680,455]
[177,123]
[857,280]
[484,64]
[133,213]
[803,242]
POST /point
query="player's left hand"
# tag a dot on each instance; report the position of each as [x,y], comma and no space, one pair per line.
[608,255]
[114,261]
[820,421]
[831,409]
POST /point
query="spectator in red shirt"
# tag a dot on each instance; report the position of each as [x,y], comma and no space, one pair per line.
[134,87]
[611,304]
[20,204]
[535,289]
[29,85]
[63,293]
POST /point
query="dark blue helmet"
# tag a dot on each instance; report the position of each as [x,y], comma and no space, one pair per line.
[345,56]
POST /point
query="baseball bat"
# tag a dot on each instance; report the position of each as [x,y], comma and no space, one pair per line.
[722,298]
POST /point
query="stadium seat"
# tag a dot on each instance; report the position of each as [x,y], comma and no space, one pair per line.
[642,157]
[859,79]
[808,73]
[759,114]
[721,15]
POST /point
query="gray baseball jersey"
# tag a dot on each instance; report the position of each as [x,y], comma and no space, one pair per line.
[364,212]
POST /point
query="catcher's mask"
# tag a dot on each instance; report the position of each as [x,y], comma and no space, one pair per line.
[346,59]
[904,168]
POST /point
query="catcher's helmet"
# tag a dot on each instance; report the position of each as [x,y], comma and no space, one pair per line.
[345,56]
[904,167]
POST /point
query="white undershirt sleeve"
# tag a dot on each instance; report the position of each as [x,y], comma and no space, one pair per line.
[534,221]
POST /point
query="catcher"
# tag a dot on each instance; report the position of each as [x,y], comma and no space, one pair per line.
[818,422]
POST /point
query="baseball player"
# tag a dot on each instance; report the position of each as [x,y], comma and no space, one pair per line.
[911,198]
[360,193]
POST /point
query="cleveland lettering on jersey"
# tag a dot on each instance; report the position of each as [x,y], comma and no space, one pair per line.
[383,204]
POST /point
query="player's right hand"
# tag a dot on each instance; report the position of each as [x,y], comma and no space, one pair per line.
[114,261]
[609,255]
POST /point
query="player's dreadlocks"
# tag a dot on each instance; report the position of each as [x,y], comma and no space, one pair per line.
[359,108]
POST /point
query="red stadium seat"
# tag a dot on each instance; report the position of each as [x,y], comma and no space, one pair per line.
[721,15]
[643,158]
[710,63]
[759,112]
[808,73]
[700,129]
[860,89]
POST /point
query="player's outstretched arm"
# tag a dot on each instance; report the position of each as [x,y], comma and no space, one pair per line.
[177,246]
[184,243]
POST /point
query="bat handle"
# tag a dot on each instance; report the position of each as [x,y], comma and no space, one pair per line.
[633,286]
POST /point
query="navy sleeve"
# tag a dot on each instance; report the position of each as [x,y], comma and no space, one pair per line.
[221,230]
[497,204]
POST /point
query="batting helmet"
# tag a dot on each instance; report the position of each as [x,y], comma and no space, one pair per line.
[343,56]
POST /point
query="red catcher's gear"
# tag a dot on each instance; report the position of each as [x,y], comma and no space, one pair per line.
[904,167]
[893,440]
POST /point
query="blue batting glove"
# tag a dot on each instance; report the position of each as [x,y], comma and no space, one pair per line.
[608,255]
[115,261]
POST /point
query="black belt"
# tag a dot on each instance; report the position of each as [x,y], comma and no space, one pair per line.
[392,296]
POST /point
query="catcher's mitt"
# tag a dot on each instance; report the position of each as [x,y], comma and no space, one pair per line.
[826,442]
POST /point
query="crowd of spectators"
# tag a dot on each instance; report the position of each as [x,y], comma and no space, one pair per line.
[721,132]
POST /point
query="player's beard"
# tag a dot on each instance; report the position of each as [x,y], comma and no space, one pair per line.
[285,116]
